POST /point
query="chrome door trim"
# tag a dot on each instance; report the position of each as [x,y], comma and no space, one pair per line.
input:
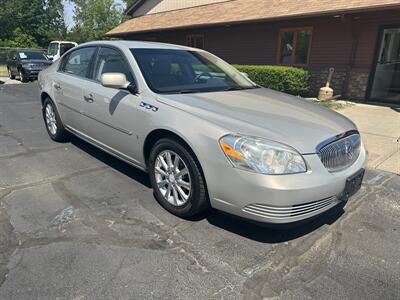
[97,120]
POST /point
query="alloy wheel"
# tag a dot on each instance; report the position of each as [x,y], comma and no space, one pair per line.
[51,121]
[172,178]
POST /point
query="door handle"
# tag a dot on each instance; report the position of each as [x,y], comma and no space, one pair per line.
[57,86]
[88,98]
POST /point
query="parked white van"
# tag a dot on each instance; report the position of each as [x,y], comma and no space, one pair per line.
[58,48]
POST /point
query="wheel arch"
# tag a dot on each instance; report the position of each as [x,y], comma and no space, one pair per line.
[158,134]
[44,96]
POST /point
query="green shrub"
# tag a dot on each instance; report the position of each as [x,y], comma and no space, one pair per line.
[290,80]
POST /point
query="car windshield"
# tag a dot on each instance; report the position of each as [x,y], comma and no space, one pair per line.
[169,71]
[53,49]
[31,55]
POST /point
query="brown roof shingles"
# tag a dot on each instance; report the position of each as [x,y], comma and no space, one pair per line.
[244,10]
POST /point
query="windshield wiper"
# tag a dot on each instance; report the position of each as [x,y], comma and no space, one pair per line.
[235,88]
[188,91]
[239,88]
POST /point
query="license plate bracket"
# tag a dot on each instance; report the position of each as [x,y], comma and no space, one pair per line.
[353,184]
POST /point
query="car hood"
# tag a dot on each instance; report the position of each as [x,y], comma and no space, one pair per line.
[265,113]
[36,61]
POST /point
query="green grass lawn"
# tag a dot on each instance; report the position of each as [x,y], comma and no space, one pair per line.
[3,71]
[332,104]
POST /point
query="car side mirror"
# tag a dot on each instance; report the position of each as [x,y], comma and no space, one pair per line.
[118,81]
[132,88]
[114,80]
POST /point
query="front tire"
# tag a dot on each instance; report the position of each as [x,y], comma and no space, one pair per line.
[176,178]
[22,77]
[10,75]
[53,123]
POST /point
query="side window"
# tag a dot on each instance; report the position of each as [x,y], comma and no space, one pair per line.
[111,61]
[78,62]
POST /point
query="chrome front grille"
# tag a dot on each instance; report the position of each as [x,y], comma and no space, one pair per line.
[341,153]
[288,212]
[38,66]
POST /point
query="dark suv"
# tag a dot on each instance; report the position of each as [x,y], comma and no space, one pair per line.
[26,63]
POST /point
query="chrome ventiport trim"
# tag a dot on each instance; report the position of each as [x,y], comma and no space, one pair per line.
[287,212]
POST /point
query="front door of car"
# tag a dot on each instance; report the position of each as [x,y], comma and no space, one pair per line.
[112,114]
[74,73]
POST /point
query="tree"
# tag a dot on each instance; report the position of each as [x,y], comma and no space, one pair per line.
[20,40]
[93,18]
[28,23]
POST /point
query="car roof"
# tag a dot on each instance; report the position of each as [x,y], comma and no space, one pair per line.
[63,42]
[138,45]
[29,50]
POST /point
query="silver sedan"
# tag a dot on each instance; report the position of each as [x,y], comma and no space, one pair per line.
[206,134]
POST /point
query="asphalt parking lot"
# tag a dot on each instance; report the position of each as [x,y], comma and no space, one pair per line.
[78,224]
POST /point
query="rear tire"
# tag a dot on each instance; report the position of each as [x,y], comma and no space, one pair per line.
[53,123]
[182,195]
[10,75]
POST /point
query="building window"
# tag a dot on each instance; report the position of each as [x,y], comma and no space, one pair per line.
[294,46]
[195,41]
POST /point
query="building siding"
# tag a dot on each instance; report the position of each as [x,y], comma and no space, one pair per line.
[346,44]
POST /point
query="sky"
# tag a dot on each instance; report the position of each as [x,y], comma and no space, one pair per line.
[69,12]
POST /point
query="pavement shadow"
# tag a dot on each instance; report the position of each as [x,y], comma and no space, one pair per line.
[113,162]
[251,230]
[266,233]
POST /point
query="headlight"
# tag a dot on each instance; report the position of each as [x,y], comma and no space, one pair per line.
[261,155]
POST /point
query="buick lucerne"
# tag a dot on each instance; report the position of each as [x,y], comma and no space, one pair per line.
[205,133]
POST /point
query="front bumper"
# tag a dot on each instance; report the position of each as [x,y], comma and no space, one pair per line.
[31,73]
[278,199]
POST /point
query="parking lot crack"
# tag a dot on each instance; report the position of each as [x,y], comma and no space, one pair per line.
[51,179]
[8,242]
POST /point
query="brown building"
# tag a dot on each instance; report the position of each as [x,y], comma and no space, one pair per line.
[359,38]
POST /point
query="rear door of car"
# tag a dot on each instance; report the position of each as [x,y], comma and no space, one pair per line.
[112,114]
[74,73]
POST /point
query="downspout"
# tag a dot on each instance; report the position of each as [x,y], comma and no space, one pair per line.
[352,58]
